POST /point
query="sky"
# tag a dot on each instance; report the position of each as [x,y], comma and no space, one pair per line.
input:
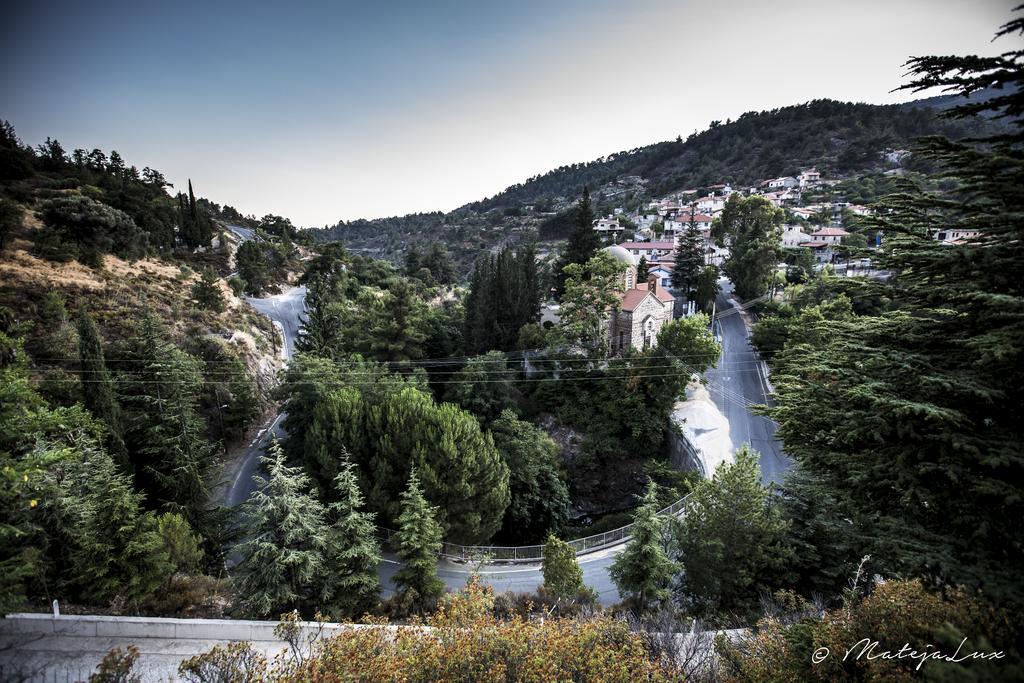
[327,111]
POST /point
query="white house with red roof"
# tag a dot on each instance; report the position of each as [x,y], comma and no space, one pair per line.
[830,236]
[649,250]
[677,225]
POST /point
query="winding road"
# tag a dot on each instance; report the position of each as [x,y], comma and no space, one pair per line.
[739,381]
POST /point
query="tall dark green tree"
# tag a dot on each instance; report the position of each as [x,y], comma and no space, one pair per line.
[282,559]
[643,571]
[324,322]
[484,386]
[98,387]
[159,386]
[689,260]
[206,292]
[912,416]
[419,544]
[584,241]
[505,294]
[642,269]
[730,541]
[351,551]
[118,551]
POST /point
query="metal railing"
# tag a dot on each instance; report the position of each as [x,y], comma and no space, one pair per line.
[528,553]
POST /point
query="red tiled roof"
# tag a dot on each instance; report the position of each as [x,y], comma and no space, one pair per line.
[830,232]
[633,297]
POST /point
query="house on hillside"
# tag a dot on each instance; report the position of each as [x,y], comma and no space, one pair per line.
[830,236]
[676,225]
[607,226]
[793,236]
[809,177]
[783,183]
[643,310]
[651,251]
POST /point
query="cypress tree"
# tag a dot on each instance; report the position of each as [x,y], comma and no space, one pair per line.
[282,565]
[97,386]
[643,571]
[351,554]
[419,544]
[642,270]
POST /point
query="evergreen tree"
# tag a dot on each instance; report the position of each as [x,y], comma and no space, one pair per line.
[352,554]
[413,259]
[118,551]
[642,571]
[642,270]
[730,541]
[707,288]
[911,416]
[251,262]
[563,576]
[484,386]
[397,330]
[419,544]
[689,260]
[439,262]
[97,386]
[158,390]
[282,559]
[206,292]
[583,243]
[505,294]
[323,323]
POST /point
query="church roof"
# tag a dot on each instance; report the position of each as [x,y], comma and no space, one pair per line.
[633,297]
[620,254]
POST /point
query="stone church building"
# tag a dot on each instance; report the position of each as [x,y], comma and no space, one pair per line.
[645,307]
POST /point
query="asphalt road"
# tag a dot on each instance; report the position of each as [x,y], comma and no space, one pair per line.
[740,380]
[285,310]
[737,382]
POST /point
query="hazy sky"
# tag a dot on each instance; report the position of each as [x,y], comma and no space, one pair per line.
[340,110]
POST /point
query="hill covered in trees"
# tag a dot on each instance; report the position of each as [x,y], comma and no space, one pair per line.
[841,139]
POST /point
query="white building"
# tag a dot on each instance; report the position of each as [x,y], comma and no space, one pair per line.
[607,225]
[809,177]
[793,236]
[649,250]
[830,236]
[676,226]
[783,183]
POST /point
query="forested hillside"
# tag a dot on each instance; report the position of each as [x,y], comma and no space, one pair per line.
[841,139]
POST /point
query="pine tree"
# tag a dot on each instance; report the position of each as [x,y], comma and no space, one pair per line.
[397,331]
[206,293]
[689,260]
[707,288]
[419,543]
[643,571]
[118,551]
[563,576]
[584,241]
[98,388]
[282,562]
[352,554]
[323,323]
[159,388]
[730,541]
